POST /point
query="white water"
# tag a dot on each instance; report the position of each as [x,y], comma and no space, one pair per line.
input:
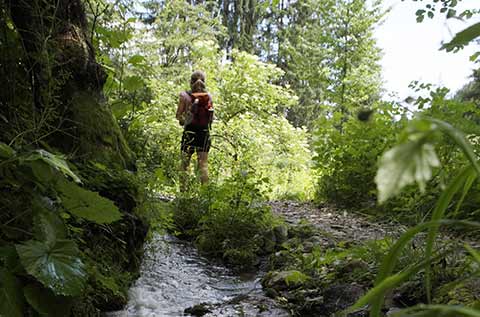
[174,277]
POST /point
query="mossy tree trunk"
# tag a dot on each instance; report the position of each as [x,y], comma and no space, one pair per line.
[66,79]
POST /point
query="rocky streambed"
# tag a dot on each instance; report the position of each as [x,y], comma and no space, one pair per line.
[175,281]
[321,262]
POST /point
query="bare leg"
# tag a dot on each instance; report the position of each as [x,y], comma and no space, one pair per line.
[203,166]
[184,170]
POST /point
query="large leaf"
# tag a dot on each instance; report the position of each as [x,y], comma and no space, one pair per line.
[87,204]
[133,83]
[55,161]
[403,165]
[463,38]
[56,265]
[46,303]
[11,298]
[43,172]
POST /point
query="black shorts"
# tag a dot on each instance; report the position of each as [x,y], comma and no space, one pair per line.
[195,140]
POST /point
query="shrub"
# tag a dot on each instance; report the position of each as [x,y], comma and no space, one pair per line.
[226,221]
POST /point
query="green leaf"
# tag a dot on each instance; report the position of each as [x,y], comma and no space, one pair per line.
[295,278]
[6,152]
[463,38]
[475,254]
[466,188]
[42,171]
[56,265]
[136,59]
[48,226]
[46,303]
[386,284]
[121,108]
[133,83]
[458,137]
[55,161]
[8,255]
[107,282]
[451,13]
[390,260]
[87,204]
[438,213]
[405,164]
[11,298]
[474,57]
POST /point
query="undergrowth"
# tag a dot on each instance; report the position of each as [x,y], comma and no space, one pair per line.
[230,221]
[63,247]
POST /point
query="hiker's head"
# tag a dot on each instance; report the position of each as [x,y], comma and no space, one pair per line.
[197,81]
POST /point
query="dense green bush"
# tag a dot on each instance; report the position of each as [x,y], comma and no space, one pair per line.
[61,242]
[414,206]
[226,221]
[347,154]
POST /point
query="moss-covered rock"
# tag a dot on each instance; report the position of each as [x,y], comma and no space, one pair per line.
[283,280]
[466,293]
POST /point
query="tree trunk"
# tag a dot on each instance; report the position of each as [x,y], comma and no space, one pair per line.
[66,79]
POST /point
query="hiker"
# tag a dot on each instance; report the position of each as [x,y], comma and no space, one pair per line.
[195,114]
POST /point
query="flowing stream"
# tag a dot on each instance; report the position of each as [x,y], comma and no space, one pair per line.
[175,277]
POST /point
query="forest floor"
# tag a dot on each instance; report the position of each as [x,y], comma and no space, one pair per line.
[335,223]
[326,228]
[346,278]
[347,247]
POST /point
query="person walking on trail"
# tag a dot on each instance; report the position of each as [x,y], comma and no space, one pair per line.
[195,114]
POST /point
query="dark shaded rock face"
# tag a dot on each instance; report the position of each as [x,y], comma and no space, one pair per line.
[341,296]
[326,302]
[198,310]
[244,305]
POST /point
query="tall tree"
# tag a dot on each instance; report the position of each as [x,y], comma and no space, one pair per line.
[65,82]
[330,57]
[326,49]
[240,18]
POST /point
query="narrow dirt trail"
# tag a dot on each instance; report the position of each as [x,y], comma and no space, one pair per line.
[334,223]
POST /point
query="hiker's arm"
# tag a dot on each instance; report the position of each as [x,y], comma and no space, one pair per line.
[181,110]
[210,107]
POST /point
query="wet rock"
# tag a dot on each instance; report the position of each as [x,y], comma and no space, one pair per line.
[271,292]
[251,305]
[198,310]
[308,247]
[409,294]
[341,296]
[391,311]
[316,239]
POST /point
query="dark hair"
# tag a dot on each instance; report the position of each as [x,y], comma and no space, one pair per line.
[197,81]
[198,86]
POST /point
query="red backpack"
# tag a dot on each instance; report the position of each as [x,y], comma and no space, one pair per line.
[201,109]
